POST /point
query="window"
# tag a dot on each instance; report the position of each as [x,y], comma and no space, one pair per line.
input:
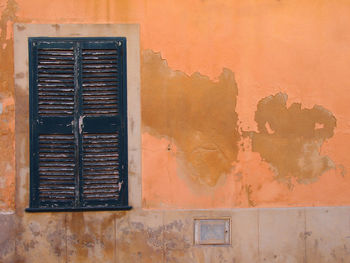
[78,124]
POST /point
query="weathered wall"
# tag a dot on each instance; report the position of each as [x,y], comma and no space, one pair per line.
[244,104]
[294,235]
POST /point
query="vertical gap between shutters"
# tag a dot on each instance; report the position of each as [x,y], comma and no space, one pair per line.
[80,123]
[77,139]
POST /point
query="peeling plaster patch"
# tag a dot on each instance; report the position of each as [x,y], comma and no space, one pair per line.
[34,228]
[342,169]
[90,236]
[56,26]
[198,114]
[290,138]
[3,181]
[139,243]
[21,27]
[19,75]
[0,108]
[7,237]
[144,242]
[9,30]
[7,212]
[249,191]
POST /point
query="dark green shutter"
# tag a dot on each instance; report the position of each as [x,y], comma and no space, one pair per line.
[78,123]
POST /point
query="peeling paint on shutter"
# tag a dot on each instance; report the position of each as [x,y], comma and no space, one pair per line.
[56,169]
[55,82]
[100,82]
[56,152]
[101,166]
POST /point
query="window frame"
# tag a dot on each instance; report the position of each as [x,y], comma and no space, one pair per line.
[22,32]
[118,204]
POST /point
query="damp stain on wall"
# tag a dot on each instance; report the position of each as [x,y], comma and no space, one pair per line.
[91,236]
[146,243]
[290,138]
[7,162]
[195,113]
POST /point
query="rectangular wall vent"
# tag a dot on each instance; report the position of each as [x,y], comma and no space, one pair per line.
[212,231]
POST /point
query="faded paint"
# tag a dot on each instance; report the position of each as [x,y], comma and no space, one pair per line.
[7,237]
[300,48]
[91,237]
[7,117]
[290,138]
[313,71]
[197,114]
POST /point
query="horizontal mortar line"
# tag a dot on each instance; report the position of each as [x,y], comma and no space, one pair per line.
[241,209]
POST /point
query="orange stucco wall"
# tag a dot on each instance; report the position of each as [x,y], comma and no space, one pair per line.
[265,121]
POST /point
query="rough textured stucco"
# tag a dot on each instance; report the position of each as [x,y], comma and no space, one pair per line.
[197,114]
[301,48]
[290,138]
[288,143]
[7,114]
[7,237]
[310,235]
[91,237]
[275,46]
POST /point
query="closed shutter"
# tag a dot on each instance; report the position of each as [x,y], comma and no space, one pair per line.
[104,112]
[78,123]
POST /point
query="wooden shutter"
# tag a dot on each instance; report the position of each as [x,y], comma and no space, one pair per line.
[104,117]
[78,123]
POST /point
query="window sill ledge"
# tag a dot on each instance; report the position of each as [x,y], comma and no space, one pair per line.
[78,209]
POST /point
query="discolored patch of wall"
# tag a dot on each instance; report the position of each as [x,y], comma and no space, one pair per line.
[7,237]
[195,113]
[139,237]
[41,238]
[290,138]
[91,237]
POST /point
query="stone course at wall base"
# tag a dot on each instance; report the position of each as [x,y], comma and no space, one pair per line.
[286,235]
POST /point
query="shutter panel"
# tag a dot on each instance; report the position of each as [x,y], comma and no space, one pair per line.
[52,113]
[104,136]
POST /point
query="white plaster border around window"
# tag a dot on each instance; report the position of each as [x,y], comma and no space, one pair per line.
[21,34]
